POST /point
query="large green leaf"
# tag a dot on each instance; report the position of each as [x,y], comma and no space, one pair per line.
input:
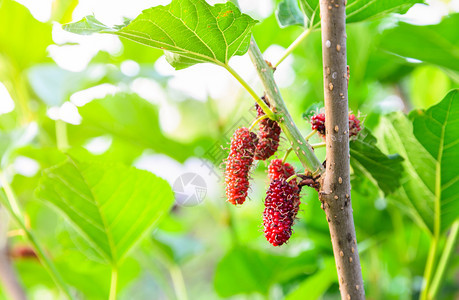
[436,44]
[416,195]
[360,10]
[192,29]
[257,271]
[367,160]
[111,205]
[356,10]
[437,130]
[23,39]
[317,284]
[288,13]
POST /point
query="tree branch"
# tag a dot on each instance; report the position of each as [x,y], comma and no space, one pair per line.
[301,147]
[8,276]
[335,191]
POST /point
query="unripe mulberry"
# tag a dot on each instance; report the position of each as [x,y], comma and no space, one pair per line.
[268,137]
[279,170]
[281,207]
[238,163]
[318,123]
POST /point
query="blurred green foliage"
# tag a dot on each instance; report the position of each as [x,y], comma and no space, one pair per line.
[211,250]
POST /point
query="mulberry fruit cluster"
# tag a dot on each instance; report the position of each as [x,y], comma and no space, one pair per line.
[239,161]
[278,170]
[281,207]
[354,125]
[268,137]
[318,123]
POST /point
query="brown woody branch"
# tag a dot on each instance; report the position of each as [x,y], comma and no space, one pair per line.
[335,186]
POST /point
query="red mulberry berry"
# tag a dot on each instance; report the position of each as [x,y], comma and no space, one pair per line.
[354,125]
[279,170]
[268,137]
[281,207]
[22,252]
[318,123]
[238,163]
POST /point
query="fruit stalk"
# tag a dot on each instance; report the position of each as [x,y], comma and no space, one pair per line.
[335,188]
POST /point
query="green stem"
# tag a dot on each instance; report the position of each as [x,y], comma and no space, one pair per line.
[286,155]
[292,47]
[319,145]
[249,89]
[257,121]
[113,283]
[292,177]
[302,148]
[444,260]
[10,195]
[310,135]
[431,260]
[13,208]
[429,268]
[61,135]
[178,282]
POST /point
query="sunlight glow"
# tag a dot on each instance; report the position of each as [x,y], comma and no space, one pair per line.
[40,9]
[83,97]
[77,57]
[6,102]
[67,112]
[99,145]
[421,14]
[26,166]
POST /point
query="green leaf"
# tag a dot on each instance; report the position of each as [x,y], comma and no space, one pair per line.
[317,284]
[111,205]
[288,13]
[132,120]
[437,130]
[62,10]
[23,39]
[55,85]
[367,160]
[360,10]
[428,85]
[416,195]
[436,44]
[14,139]
[312,110]
[311,8]
[192,29]
[257,271]
[88,25]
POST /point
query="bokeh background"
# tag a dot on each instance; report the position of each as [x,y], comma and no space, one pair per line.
[122,101]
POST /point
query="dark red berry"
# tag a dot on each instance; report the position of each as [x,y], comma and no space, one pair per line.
[238,163]
[354,125]
[281,207]
[22,252]
[268,137]
[318,123]
[279,170]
